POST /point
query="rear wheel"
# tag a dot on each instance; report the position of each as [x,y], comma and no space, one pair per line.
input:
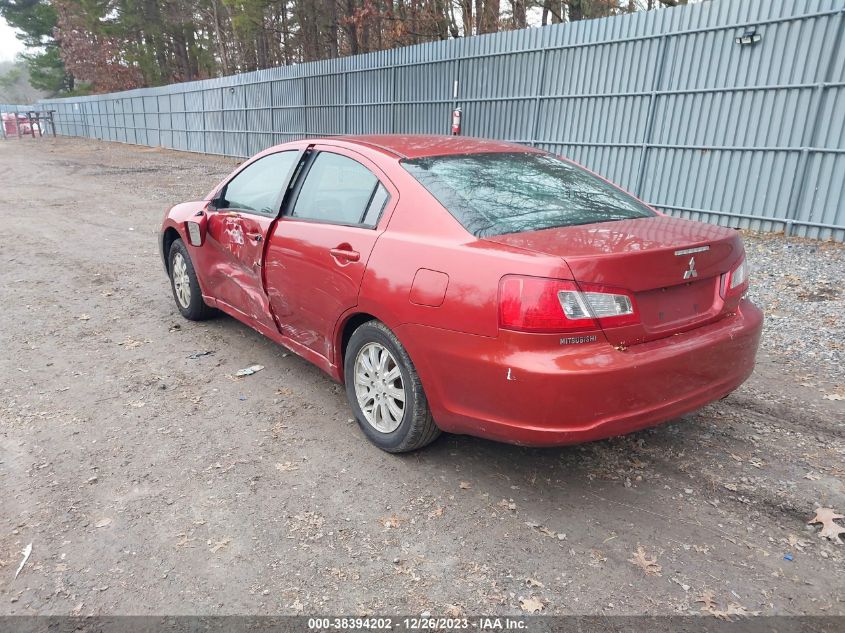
[385,391]
[186,288]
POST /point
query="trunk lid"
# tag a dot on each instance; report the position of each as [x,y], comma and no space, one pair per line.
[651,258]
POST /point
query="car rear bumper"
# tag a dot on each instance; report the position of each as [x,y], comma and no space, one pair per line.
[513,389]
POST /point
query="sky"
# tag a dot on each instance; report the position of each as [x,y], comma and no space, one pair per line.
[10,46]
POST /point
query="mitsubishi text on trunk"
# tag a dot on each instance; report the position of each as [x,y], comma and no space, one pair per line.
[470,286]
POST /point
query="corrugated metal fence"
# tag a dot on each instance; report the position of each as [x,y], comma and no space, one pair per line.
[666,103]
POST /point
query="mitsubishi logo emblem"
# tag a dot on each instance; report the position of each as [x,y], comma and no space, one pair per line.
[691,271]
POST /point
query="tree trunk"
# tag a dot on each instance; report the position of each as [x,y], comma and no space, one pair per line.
[466,17]
[351,28]
[519,18]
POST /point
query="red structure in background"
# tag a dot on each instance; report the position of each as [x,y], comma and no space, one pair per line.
[20,124]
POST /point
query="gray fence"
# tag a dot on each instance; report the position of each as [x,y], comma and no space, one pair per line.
[670,104]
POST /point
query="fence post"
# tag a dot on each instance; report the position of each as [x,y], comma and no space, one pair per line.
[305,105]
[456,87]
[82,107]
[345,103]
[541,86]
[222,118]
[802,169]
[272,113]
[652,108]
[204,134]
[393,99]
[146,123]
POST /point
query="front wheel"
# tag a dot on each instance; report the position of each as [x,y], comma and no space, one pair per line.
[385,391]
[186,288]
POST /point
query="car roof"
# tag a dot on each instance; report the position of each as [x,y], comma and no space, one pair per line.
[421,145]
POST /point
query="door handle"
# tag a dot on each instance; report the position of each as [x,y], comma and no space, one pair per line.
[345,254]
[255,237]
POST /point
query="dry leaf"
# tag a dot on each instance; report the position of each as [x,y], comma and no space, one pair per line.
[812,476]
[287,467]
[834,396]
[648,565]
[436,513]
[796,542]
[507,505]
[453,611]
[183,540]
[597,557]
[531,582]
[830,530]
[391,522]
[531,605]
[102,523]
[546,531]
[709,601]
[219,545]
[83,317]
[734,609]
[465,485]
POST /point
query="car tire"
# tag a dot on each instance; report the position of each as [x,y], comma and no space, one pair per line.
[184,284]
[393,425]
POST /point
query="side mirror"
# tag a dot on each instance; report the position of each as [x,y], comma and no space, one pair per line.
[196,228]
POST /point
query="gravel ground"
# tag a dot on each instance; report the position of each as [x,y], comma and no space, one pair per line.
[801,285]
[149,480]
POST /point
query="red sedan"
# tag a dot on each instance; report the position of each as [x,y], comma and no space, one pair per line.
[470,286]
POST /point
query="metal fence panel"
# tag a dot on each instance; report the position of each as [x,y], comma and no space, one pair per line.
[666,103]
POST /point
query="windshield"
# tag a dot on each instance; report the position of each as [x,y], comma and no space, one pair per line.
[494,194]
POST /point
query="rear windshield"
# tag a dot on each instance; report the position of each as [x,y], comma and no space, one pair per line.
[494,194]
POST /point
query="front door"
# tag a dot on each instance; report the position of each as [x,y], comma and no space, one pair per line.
[319,248]
[239,222]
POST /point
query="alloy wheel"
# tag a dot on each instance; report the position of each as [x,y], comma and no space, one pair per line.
[379,387]
[181,281]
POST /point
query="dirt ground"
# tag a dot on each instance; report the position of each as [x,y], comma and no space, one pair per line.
[150,481]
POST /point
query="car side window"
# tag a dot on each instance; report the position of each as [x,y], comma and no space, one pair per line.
[340,190]
[257,188]
[376,206]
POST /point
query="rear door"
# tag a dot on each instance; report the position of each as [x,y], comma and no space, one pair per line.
[239,220]
[319,249]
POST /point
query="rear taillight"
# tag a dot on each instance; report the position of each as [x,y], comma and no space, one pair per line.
[537,304]
[736,280]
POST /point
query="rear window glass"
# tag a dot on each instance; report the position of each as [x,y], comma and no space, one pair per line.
[494,194]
